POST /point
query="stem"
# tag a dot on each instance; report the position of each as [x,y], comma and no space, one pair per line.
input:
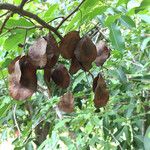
[15,120]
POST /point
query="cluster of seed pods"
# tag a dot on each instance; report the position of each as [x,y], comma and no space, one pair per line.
[44,54]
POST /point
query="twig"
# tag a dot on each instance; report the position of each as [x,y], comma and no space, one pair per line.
[11,14]
[22,12]
[22,27]
[114,138]
[15,120]
[56,18]
[29,20]
[77,8]
[5,21]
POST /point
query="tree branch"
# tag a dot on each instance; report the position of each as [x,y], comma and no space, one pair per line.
[22,3]
[11,14]
[22,12]
[77,8]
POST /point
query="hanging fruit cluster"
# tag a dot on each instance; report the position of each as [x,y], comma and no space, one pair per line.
[44,54]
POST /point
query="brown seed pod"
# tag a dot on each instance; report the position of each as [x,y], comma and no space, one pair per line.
[66,103]
[68,44]
[75,66]
[101,92]
[95,82]
[61,76]
[86,66]
[12,65]
[103,53]
[52,51]
[37,53]
[85,50]
[47,75]
[23,80]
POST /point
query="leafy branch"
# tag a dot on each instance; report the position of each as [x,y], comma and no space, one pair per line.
[20,11]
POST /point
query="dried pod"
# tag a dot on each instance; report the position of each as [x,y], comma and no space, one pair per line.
[75,66]
[61,76]
[47,75]
[12,65]
[86,66]
[85,50]
[95,82]
[101,92]
[23,80]
[47,78]
[52,51]
[68,44]
[37,53]
[103,53]
[66,103]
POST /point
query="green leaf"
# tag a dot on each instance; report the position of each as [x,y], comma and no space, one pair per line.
[116,38]
[6,63]
[121,75]
[79,78]
[147,139]
[50,13]
[74,22]
[145,43]
[90,3]
[96,11]
[121,2]
[4,109]
[145,3]
[111,19]
[12,42]
[127,21]
[19,22]
[17,1]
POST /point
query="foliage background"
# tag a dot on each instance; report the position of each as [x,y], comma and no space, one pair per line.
[124,122]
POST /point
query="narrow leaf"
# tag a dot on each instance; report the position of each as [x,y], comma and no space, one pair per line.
[116,37]
[127,21]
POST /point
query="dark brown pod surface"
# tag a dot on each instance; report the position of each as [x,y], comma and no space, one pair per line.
[37,53]
[22,81]
[66,103]
[101,92]
[52,51]
[61,76]
[103,53]
[85,50]
[86,66]
[74,67]
[47,75]
[95,82]
[68,44]
[11,66]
